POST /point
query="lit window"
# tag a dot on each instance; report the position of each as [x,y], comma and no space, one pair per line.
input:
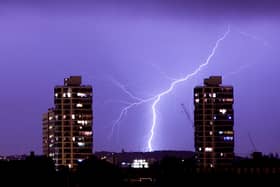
[205,100]
[80,160]
[208,149]
[214,95]
[214,117]
[211,122]
[228,132]
[81,94]
[73,116]
[81,127]
[80,122]
[73,138]
[196,94]
[221,154]
[229,117]
[81,144]
[211,165]
[50,127]
[83,122]
[197,100]
[69,165]
[68,94]
[56,94]
[228,138]
[204,95]
[87,133]
[64,116]
[200,149]
[223,111]
[79,105]
[229,100]
[56,116]
[50,145]
[210,95]
[50,118]
[123,163]
[221,132]
[211,133]
[51,136]
[64,94]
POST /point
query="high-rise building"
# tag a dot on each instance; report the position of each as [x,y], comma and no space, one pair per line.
[67,128]
[213,121]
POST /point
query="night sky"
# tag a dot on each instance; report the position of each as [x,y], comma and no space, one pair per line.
[141,46]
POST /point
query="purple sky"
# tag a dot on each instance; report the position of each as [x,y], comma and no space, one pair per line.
[140,45]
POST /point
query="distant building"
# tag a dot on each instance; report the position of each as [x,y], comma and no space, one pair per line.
[67,128]
[213,121]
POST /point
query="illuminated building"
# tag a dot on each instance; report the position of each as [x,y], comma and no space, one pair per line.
[213,121]
[140,163]
[67,128]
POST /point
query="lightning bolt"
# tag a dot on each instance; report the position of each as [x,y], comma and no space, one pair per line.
[137,101]
[176,82]
[163,73]
[254,37]
[125,90]
[240,69]
[157,98]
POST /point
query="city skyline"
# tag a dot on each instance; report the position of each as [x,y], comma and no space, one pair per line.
[141,47]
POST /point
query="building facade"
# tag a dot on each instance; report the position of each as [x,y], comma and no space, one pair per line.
[213,121]
[48,132]
[67,128]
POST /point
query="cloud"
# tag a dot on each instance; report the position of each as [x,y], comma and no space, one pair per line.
[181,7]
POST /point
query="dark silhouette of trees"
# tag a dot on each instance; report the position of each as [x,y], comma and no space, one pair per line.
[95,171]
[33,171]
[170,171]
